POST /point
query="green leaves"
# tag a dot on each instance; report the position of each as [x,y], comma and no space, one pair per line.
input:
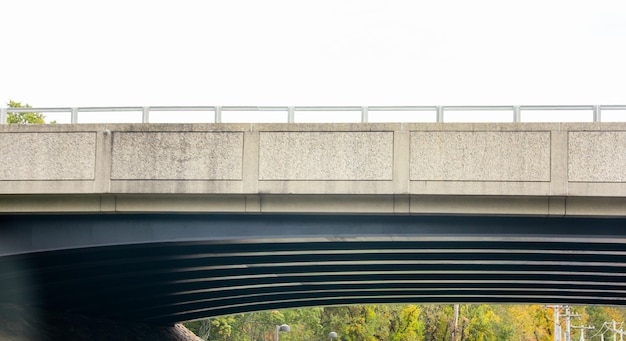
[23,117]
[411,322]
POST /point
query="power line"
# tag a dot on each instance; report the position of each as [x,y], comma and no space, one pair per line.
[600,331]
[582,330]
[612,327]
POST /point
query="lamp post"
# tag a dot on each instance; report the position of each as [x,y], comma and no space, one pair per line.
[281,328]
[332,335]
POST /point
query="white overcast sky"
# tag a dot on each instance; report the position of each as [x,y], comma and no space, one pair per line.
[289,52]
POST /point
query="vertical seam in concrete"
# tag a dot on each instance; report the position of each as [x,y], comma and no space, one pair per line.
[551,161]
[557,206]
[566,153]
[549,205]
[558,163]
[250,161]
[103,164]
[401,161]
[400,170]
[567,163]
[252,203]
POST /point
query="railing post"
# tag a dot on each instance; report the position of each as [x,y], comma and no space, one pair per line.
[364,115]
[145,115]
[439,114]
[517,117]
[218,114]
[597,113]
[74,117]
[3,115]
[290,115]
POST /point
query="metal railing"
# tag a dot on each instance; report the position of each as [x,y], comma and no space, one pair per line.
[509,113]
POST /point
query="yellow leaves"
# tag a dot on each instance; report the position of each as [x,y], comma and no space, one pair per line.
[411,322]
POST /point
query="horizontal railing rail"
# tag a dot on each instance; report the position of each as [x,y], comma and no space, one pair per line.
[214,114]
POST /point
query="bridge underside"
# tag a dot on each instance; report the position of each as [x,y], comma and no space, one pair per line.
[169,268]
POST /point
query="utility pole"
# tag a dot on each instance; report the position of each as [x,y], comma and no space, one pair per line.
[568,323]
[455,327]
[557,325]
[568,336]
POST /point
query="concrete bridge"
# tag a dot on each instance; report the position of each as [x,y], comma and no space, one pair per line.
[172,222]
[576,169]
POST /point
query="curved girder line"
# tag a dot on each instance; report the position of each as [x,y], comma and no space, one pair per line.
[297,301]
[132,266]
[344,302]
[116,257]
[205,273]
[274,274]
[401,300]
[244,229]
[80,292]
[150,302]
[332,292]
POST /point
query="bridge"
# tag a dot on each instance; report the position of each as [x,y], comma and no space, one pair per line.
[174,222]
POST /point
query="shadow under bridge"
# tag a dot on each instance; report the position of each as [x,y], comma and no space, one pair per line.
[166,268]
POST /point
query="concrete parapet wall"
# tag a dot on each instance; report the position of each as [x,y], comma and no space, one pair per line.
[48,156]
[521,168]
[597,156]
[350,156]
[480,156]
[177,156]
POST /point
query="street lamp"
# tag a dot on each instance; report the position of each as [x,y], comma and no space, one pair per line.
[332,335]
[281,328]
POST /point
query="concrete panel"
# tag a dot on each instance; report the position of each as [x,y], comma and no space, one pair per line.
[480,156]
[597,156]
[326,156]
[47,156]
[177,156]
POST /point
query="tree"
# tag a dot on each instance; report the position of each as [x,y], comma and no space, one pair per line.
[23,117]
[479,323]
[359,322]
[531,322]
[436,321]
[305,324]
[407,327]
